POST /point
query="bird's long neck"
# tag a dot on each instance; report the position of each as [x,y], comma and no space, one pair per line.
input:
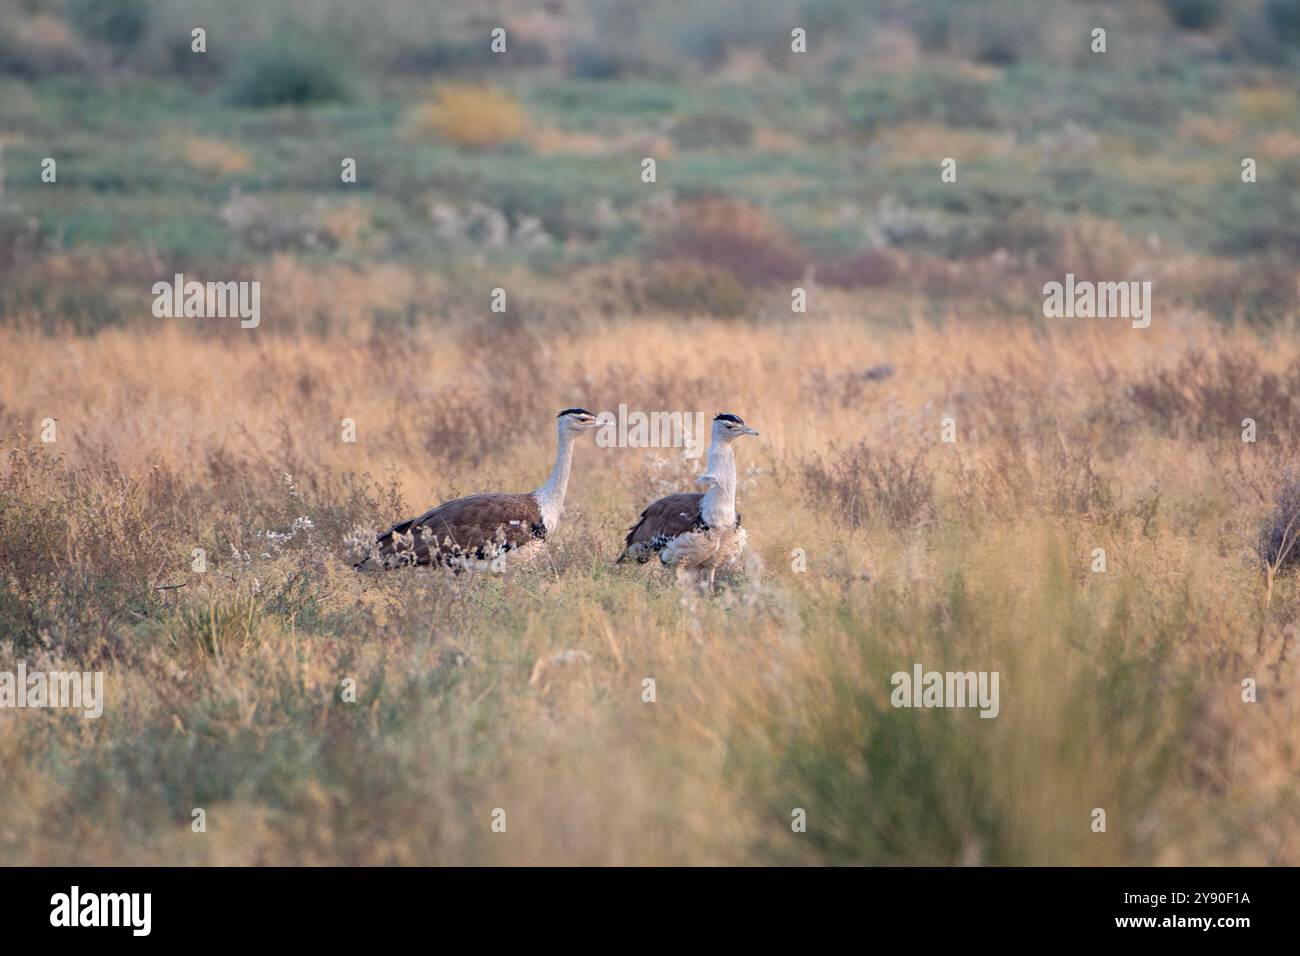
[550,497]
[718,509]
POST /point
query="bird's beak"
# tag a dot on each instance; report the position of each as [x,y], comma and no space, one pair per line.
[749,431]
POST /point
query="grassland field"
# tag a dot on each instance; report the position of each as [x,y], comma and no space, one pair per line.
[874,544]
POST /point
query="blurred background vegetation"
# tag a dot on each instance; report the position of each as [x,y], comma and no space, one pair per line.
[771,163]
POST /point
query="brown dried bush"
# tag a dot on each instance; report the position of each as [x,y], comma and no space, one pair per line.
[1206,396]
[734,236]
[862,269]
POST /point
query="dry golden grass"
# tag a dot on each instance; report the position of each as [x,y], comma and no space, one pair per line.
[553,140]
[214,155]
[1267,104]
[1119,690]
[472,117]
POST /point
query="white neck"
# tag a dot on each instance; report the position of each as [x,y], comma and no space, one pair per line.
[718,509]
[550,497]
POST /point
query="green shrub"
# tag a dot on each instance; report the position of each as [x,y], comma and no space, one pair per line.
[120,24]
[1284,17]
[287,76]
[176,56]
[999,33]
[595,61]
[463,55]
[1194,14]
[937,95]
[1256,224]
[706,130]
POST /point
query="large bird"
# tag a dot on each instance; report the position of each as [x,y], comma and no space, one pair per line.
[488,531]
[697,531]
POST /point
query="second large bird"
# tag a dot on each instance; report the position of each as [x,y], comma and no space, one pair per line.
[701,530]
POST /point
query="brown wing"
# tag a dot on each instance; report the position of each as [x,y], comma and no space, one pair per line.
[661,522]
[479,526]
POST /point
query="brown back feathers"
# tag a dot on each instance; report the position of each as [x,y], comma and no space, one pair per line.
[479,527]
[661,522]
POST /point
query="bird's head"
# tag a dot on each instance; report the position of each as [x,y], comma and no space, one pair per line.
[728,428]
[575,421]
